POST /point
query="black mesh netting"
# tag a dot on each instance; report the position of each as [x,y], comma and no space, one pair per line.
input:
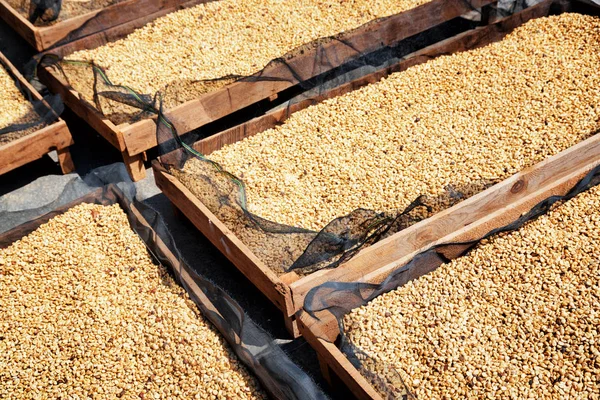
[42,112]
[283,248]
[286,248]
[44,11]
[256,349]
[339,298]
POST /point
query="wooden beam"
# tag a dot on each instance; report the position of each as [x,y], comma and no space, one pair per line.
[34,146]
[468,220]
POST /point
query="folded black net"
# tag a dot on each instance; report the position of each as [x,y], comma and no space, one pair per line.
[356,304]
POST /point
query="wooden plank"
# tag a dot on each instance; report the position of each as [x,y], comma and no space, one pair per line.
[64,160]
[220,236]
[113,32]
[387,31]
[34,146]
[135,166]
[322,333]
[98,21]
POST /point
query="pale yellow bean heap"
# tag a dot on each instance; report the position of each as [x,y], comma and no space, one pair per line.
[518,317]
[85,313]
[468,120]
[220,38]
[14,107]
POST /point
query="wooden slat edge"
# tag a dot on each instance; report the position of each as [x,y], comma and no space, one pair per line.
[21,25]
[314,330]
[97,21]
[497,219]
[117,32]
[33,146]
[220,236]
[120,13]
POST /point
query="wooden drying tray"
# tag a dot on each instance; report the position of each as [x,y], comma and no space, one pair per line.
[374,263]
[55,136]
[470,220]
[46,37]
[133,140]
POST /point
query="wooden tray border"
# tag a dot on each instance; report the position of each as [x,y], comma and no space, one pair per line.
[45,37]
[55,136]
[133,140]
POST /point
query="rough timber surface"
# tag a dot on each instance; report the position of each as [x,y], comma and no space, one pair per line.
[45,37]
[55,136]
[467,220]
[133,140]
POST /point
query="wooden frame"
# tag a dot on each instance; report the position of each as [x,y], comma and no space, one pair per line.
[55,136]
[466,221]
[133,140]
[287,292]
[45,37]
